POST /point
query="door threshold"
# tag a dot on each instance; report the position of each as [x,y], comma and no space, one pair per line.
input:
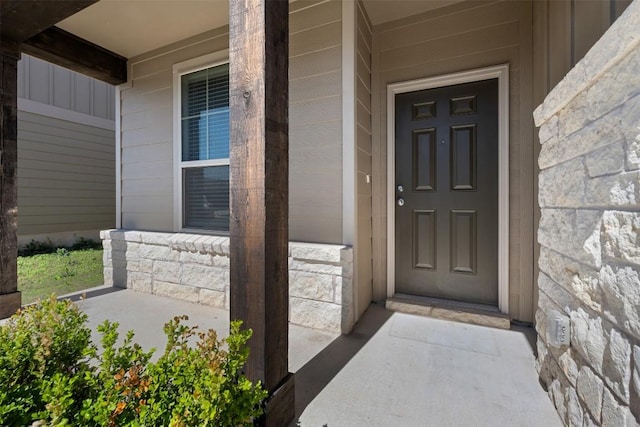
[457,311]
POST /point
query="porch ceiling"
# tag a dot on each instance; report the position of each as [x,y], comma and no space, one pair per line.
[133,27]
[381,11]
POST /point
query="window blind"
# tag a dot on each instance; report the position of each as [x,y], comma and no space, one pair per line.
[205,136]
[205,114]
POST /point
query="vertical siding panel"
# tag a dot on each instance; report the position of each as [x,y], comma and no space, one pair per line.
[82,94]
[21,78]
[363,160]
[62,88]
[527,170]
[100,100]
[38,81]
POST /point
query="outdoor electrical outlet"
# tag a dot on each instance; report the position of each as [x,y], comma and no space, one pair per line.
[558,329]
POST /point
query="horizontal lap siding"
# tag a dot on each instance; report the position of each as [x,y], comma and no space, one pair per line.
[66,176]
[315,134]
[459,37]
[147,132]
[363,157]
[315,122]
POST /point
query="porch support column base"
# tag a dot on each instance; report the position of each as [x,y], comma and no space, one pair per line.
[9,296]
[279,410]
[10,303]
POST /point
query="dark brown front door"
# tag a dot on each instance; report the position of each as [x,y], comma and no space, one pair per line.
[447,192]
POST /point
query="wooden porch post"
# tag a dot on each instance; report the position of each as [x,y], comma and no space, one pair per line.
[10,299]
[259,57]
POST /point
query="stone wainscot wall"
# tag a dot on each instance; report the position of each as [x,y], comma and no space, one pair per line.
[590,232]
[195,268]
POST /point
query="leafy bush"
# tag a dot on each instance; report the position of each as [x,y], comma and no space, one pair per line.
[83,243]
[37,248]
[52,374]
[47,247]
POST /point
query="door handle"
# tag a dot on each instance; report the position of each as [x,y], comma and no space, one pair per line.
[400,201]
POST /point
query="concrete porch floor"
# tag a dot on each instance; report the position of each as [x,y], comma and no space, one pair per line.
[393,370]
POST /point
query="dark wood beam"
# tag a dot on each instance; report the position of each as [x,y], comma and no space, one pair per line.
[67,50]
[259,240]
[10,298]
[22,19]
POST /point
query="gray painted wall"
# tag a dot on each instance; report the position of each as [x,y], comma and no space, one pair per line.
[363,158]
[66,176]
[460,37]
[66,154]
[315,72]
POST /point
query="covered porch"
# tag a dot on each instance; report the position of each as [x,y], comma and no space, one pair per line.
[393,369]
[346,60]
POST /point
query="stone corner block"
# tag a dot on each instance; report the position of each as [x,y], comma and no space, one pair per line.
[133,236]
[167,271]
[140,282]
[311,286]
[315,314]
[614,413]
[316,252]
[112,234]
[182,292]
[154,238]
[221,245]
[548,129]
[212,298]
[590,389]
[589,338]
[617,365]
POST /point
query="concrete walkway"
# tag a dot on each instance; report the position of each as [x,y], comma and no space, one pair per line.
[393,370]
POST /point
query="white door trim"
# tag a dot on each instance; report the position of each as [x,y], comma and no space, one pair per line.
[501,72]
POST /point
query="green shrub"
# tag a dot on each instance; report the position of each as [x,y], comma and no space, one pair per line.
[83,243]
[37,248]
[52,374]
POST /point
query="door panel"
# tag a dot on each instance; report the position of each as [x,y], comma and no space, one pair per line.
[447,168]
[424,160]
[424,239]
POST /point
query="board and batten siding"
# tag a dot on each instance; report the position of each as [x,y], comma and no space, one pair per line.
[315,126]
[66,177]
[49,84]
[364,37]
[456,38]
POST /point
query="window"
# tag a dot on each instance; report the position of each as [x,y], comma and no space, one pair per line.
[204,149]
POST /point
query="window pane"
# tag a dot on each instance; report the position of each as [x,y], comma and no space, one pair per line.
[218,136]
[205,114]
[194,93]
[206,198]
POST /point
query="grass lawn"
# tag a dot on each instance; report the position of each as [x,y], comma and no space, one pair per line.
[63,272]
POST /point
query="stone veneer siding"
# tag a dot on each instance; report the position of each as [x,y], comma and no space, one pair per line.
[589,232]
[195,268]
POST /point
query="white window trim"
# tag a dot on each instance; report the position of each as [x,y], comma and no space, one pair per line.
[180,69]
[501,72]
